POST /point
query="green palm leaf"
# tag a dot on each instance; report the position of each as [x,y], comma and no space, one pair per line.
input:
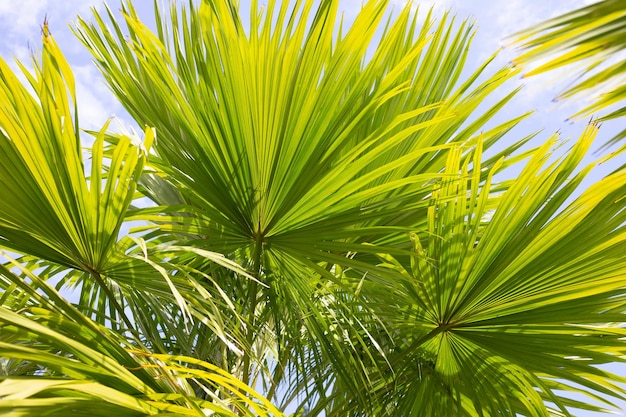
[587,37]
[48,208]
[501,315]
[305,154]
[70,224]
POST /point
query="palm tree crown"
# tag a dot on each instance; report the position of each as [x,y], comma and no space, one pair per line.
[324,233]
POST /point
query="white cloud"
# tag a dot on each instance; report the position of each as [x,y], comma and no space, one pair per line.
[96,103]
[21,22]
[21,18]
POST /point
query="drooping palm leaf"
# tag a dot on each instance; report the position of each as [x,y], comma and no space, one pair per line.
[87,369]
[587,37]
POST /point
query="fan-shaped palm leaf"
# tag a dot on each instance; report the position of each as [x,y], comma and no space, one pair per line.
[68,226]
[505,310]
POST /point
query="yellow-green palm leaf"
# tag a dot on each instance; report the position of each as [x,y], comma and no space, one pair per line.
[48,208]
[506,306]
[85,368]
[324,227]
[587,37]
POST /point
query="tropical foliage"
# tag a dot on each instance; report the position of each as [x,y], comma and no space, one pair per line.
[584,40]
[318,212]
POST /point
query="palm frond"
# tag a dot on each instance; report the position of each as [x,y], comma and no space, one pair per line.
[584,38]
[502,316]
[48,208]
[85,367]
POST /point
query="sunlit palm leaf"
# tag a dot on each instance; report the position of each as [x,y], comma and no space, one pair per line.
[70,225]
[90,370]
[48,208]
[499,319]
[588,37]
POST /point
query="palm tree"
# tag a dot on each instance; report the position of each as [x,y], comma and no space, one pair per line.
[322,225]
[586,38]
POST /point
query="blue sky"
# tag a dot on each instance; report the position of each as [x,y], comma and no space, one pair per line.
[20,22]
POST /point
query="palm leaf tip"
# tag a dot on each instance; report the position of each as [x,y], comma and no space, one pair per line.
[590,38]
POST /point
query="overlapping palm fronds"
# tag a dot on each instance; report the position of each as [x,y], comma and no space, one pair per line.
[325,227]
[80,367]
[67,227]
[305,153]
